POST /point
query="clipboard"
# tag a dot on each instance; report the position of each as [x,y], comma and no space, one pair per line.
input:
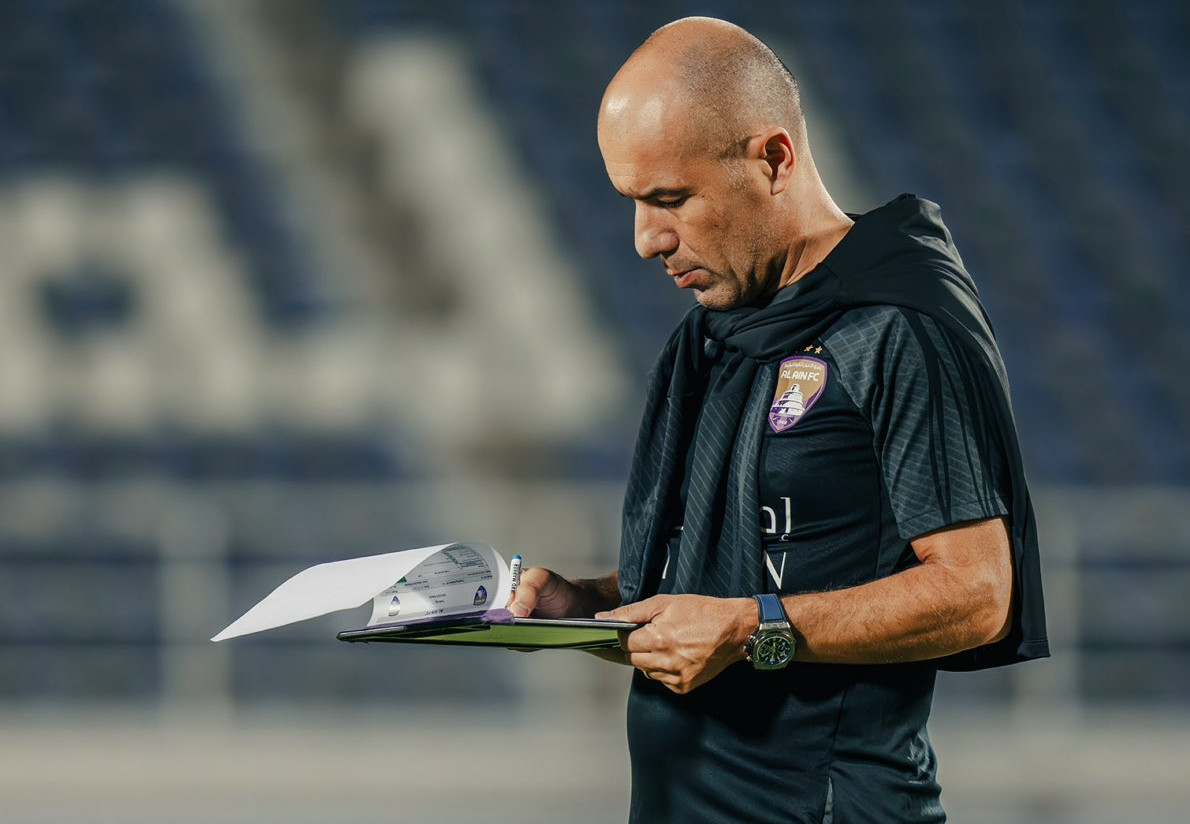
[458,582]
[511,633]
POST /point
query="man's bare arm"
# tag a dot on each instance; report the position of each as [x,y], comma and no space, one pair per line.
[959,597]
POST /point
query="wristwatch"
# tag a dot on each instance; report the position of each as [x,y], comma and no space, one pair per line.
[772,646]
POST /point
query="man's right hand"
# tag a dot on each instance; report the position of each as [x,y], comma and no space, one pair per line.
[546,594]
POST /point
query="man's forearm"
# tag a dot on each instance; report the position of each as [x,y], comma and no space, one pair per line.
[920,613]
[959,597]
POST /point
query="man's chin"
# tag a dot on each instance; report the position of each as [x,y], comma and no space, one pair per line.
[716,299]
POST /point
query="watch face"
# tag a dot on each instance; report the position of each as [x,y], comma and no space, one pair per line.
[772,651]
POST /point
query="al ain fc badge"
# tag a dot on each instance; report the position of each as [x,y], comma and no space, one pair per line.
[800,382]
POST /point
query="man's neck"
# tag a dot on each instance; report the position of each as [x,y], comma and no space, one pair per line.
[811,248]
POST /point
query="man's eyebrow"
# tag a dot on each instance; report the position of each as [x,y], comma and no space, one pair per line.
[659,191]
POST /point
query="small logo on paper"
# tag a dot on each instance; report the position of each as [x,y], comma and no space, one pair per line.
[481,597]
[394,607]
[800,382]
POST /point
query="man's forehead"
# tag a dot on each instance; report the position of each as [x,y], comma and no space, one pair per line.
[630,123]
[649,131]
[646,138]
[638,109]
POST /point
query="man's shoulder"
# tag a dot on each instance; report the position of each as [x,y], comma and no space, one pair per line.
[864,334]
[871,344]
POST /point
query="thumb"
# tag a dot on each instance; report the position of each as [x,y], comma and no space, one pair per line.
[524,599]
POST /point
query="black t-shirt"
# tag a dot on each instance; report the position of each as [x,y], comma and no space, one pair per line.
[853,467]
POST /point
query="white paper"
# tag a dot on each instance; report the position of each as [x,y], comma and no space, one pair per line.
[349,584]
[457,579]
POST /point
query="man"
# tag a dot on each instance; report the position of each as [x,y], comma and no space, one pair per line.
[826,502]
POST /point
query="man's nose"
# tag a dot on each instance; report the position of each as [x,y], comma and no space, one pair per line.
[653,234]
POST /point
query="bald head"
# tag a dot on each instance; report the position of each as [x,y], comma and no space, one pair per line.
[707,80]
[702,129]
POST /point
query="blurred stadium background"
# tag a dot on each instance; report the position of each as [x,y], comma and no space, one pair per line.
[288,281]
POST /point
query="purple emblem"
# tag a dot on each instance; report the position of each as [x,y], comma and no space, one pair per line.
[800,381]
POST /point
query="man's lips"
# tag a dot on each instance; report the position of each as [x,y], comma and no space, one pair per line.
[684,278]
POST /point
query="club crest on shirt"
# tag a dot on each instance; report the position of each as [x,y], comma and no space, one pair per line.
[800,381]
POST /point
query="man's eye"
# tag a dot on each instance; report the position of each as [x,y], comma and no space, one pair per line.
[671,204]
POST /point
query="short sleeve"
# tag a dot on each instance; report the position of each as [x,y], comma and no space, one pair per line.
[940,460]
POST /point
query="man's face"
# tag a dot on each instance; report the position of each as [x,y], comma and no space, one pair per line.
[704,217]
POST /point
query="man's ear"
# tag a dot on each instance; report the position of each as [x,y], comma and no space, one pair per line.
[775,147]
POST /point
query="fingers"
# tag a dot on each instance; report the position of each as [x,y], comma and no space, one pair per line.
[638,641]
[651,650]
[656,671]
[644,638]
[655,664]
[684,640]
[528,592]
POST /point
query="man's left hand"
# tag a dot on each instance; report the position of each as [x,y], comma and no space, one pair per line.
[686,640]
